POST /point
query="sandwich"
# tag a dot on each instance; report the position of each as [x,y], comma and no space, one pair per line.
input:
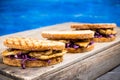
[75,41]
[28,52]
[104,32]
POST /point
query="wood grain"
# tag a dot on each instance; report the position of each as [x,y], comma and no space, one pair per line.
[89,68]
[83,66]
[111,75]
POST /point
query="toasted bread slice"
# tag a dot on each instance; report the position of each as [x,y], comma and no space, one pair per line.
[33,44]
[35,63]
[83,34]
[80,50]
[93,26]
[103,39]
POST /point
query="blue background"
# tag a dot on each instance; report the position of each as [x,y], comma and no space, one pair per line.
[20,15]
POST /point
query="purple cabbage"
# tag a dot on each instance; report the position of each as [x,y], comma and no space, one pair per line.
[98,35]
[76,46]
[110,35]
[72,45]
[91,42]
[49,61]
[23,57]
[23,63]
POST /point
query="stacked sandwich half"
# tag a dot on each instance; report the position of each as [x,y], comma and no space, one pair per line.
[27,52]
[76,41]
[103,32]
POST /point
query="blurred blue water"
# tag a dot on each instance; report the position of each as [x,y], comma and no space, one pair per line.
[20,15]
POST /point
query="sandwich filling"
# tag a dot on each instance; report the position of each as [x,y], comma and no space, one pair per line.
[32,55]
[107,33]
[77,43]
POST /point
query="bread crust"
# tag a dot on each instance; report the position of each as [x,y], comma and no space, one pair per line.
[59,35]
[93,26]
[33,44]
[35,63]
[103,39]
[80,50]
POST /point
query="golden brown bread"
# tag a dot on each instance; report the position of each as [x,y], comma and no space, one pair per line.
[83,34]
[80,50]
[33,44]
[36,63]
[103,39]
[93,26]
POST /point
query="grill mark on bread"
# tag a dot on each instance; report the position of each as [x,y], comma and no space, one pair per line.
[33,44]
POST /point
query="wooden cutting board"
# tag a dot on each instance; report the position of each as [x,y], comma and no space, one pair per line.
[81,66]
